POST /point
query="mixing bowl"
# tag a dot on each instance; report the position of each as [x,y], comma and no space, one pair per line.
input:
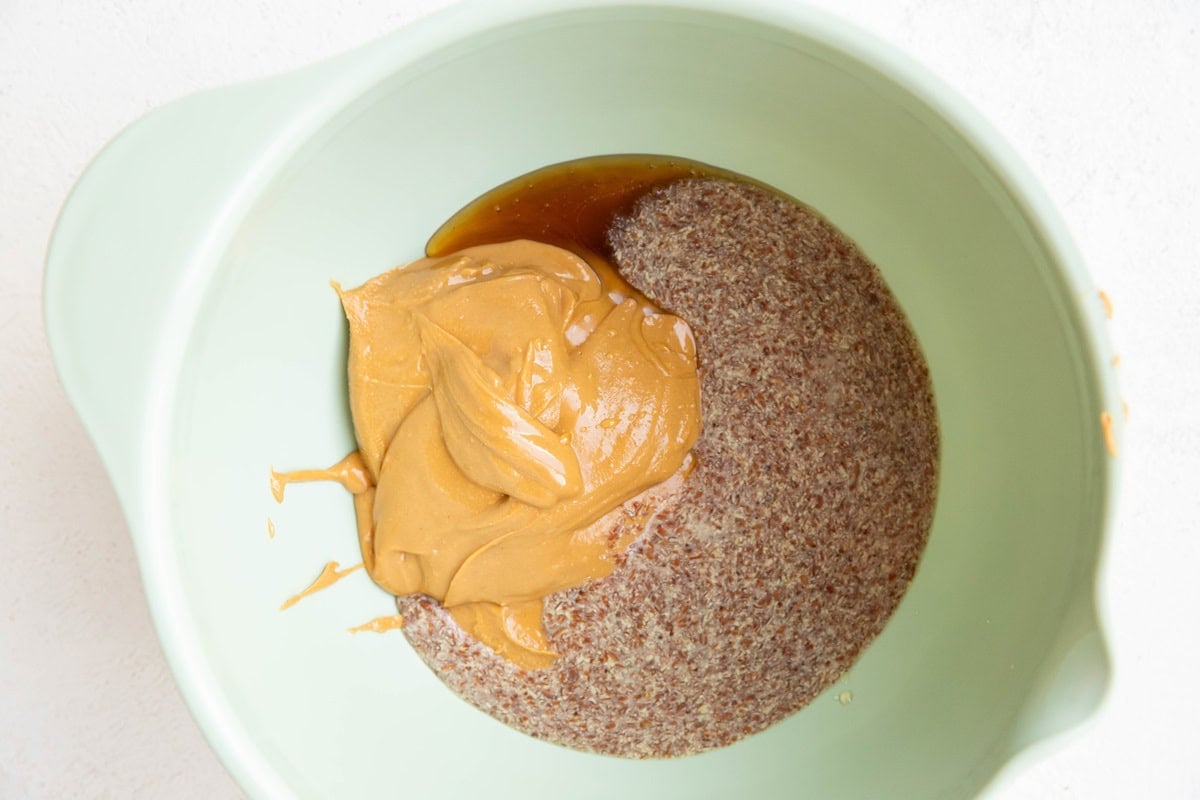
[189,310]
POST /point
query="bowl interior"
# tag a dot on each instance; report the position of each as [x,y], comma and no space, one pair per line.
[939,700]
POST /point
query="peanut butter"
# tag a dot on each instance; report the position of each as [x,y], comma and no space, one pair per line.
[349,472]
[330,574]
[380,624]
[506,398]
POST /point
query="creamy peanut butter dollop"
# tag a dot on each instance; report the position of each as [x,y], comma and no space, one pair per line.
[505,399]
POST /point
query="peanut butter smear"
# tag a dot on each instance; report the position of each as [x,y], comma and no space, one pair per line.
[380,625]
[505,398]
[349,472]
[330,574]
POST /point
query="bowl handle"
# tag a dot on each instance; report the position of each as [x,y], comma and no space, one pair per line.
[1073,685]
[129,243]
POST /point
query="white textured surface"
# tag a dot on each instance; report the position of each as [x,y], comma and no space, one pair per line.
[1101,98]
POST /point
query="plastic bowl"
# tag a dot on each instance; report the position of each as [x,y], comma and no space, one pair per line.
[189,313]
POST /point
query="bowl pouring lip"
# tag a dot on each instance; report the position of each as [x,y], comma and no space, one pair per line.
[338,83]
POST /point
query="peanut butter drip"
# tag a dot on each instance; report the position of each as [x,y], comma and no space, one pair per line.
[330,574]
[380,624]
[505,398]
[349,472]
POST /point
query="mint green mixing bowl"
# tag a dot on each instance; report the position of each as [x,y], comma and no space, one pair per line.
[188,307]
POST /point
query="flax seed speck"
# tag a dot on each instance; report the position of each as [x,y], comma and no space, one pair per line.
[800,527]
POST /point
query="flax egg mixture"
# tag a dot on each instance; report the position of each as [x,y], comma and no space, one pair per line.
[646,451]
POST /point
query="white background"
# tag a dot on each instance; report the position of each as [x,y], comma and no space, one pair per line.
[1102,99]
